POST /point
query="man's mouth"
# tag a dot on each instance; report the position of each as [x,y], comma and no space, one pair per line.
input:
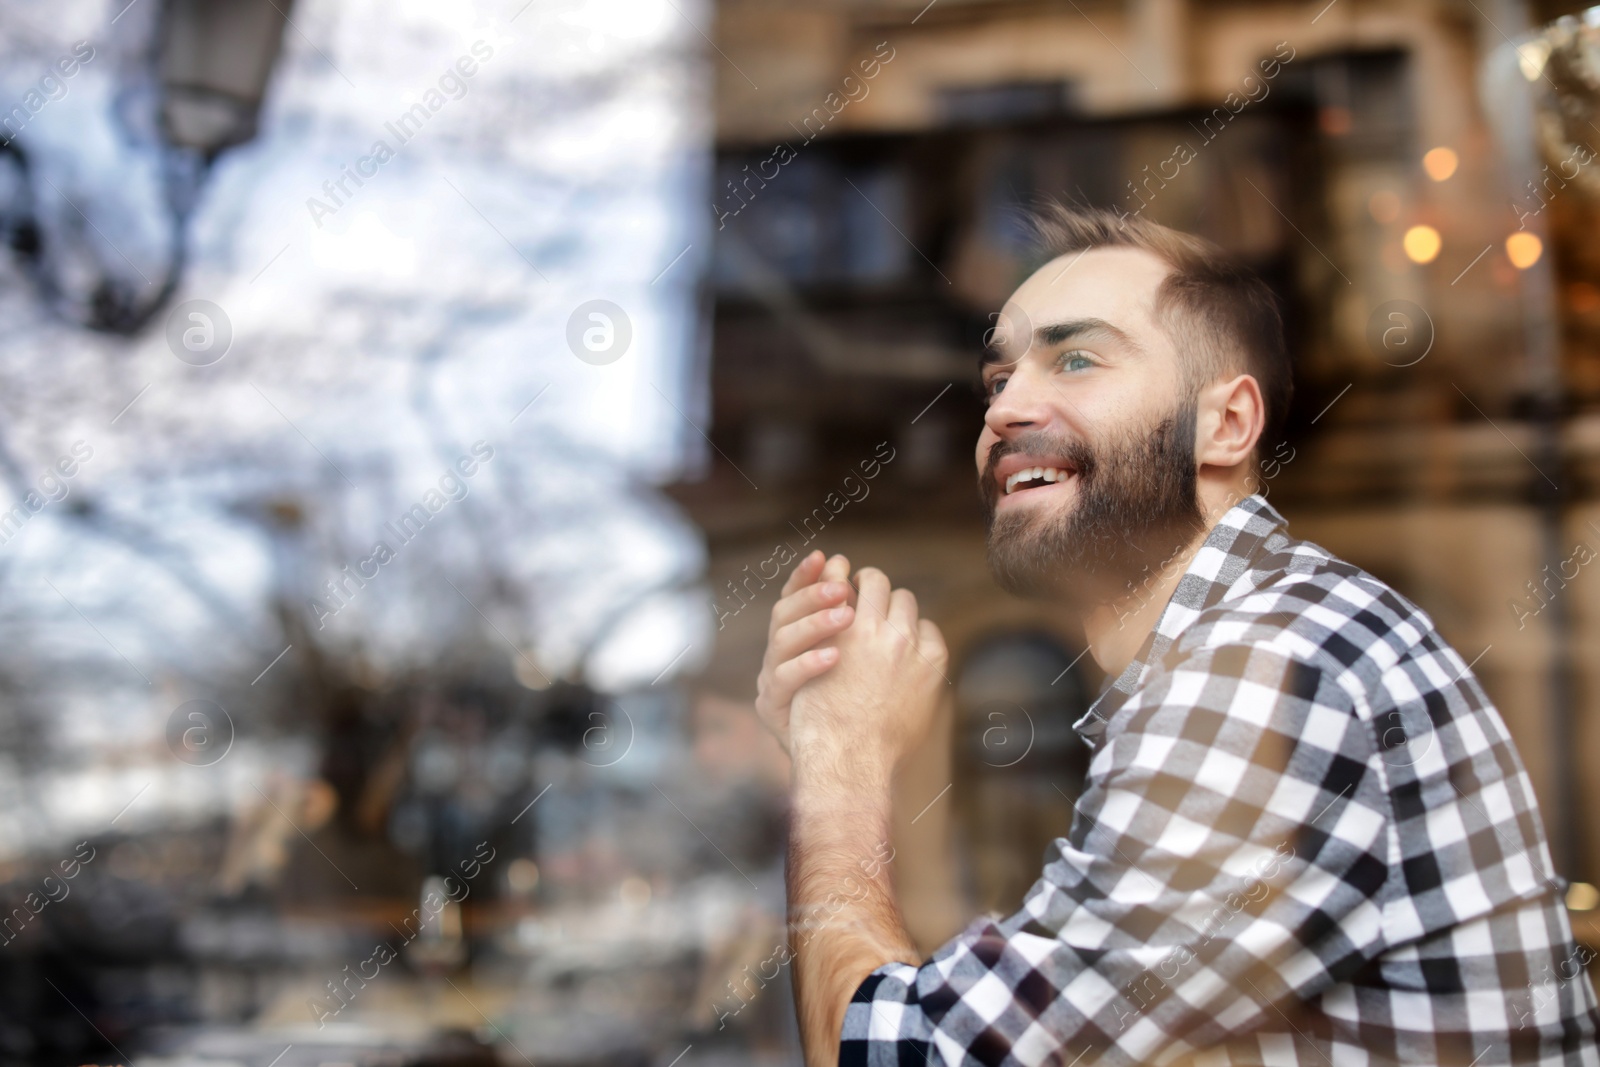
[1036,478]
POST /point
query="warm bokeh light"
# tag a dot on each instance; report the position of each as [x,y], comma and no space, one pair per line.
[523,876]
[1532,57]
[1422,244]
[1581,896]
[1523,249]
[1440,163]
[1384,206]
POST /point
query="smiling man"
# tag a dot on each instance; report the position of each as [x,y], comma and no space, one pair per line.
[1305,837]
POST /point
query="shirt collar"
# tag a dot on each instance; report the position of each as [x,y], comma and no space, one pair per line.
[1223,558]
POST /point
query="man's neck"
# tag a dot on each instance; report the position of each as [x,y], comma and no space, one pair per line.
[1115,630]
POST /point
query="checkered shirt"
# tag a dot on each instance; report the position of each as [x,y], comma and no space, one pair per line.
[1305,838]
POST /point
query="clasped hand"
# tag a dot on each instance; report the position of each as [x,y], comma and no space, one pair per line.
[850,673]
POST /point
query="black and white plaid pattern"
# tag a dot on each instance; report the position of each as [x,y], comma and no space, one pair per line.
[1305,838]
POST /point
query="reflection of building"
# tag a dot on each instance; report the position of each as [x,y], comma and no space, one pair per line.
[866,202]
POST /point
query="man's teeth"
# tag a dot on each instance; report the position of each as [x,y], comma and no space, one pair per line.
[1030,474]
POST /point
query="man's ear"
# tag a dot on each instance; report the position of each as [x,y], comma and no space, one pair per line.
[1229,422]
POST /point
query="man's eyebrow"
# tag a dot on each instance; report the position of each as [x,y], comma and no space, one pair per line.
[1056,333]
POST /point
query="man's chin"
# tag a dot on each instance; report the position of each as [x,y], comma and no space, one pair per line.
[1036,554]
[1023,560]
[1025,584]
[1034,579]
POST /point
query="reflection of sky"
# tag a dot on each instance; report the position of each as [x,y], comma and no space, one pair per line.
[369,352]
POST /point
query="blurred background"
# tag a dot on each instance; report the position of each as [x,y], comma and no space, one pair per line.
[407,412]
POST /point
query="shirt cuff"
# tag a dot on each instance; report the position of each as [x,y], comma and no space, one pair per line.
[881,1014]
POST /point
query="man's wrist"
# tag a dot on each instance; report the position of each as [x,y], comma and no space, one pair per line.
[828,774]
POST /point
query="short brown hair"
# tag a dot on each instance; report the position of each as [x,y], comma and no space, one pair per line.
[1209,300]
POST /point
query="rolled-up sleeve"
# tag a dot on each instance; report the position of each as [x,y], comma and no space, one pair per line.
[1227,859]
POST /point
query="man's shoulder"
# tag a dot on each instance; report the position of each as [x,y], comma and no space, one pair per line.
[1307,603]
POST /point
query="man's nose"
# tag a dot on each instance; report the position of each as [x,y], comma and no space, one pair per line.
[1019,406]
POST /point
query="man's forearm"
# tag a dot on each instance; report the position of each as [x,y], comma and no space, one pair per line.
[843,919]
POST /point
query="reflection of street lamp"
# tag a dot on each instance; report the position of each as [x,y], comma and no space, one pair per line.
[212,60]
[216,57]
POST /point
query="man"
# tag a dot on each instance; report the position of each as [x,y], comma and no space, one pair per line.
[1305,836]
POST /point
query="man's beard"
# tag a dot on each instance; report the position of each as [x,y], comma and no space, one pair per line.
[1136,508]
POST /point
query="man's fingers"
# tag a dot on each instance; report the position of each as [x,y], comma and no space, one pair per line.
[837,569]
[805,572]
[791,640]
[807,601]
[794,673]
[872,592]
[903,612]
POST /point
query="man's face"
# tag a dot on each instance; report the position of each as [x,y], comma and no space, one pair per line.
[1086,458]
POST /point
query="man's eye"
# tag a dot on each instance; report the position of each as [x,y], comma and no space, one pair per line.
[995,386]
[1075,360]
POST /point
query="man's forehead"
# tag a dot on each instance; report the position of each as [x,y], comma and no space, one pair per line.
[1117,285]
